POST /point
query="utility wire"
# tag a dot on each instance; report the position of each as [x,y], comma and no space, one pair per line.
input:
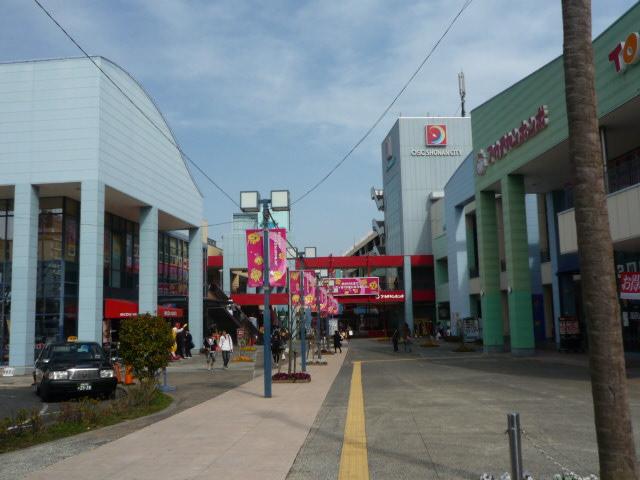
[144,114]
[386,110]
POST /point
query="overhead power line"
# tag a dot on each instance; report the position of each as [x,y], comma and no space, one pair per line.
[386,110]
[135,105]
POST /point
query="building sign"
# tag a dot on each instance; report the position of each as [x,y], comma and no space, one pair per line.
[343,287]
[630,285]
[436,135]
[436,152]
[390,297]
[512,139]
[626,53]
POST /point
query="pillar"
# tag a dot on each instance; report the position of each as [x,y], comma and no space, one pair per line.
[90,290]
[196,285]
[554,252]
[458,267]
[535,272]
[489,267]
[517,262]
[23,277]
[148,276]
[408,293]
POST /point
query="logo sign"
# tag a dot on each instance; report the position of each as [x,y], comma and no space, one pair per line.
[512,139]
[626,53]
[436,135]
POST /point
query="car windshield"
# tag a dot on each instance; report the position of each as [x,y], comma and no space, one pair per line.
[76,352]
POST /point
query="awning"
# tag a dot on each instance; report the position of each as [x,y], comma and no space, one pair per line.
[116,308]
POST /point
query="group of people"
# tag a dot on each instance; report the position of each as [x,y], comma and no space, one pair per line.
[402,334]
[218,342]
[182,342]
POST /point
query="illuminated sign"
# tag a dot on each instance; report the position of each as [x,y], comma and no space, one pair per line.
[626,53]
[436,135]
[512,139]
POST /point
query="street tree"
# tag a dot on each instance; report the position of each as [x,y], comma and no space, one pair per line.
[616,449]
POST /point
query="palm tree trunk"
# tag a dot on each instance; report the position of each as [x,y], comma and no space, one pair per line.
[616,447]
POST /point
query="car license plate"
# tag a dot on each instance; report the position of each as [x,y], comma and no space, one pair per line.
[84,387]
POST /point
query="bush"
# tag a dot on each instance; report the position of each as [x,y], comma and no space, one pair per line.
[145,342]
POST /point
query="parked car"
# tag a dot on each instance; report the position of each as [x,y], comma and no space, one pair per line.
[69,369]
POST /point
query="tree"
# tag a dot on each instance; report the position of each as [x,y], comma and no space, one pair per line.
[616,449]
[145,342]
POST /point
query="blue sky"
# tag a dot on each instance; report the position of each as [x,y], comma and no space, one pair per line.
[270,95]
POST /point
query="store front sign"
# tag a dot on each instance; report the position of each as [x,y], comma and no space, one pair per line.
[436,152]
[630,285]
[512,139]
[626,53]
[390,297]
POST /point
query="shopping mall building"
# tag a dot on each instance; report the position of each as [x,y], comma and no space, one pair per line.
[89,191]
[511,246]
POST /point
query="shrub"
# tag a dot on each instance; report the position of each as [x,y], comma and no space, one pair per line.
[145,342]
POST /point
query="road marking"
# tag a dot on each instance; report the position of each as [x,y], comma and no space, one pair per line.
[354,464]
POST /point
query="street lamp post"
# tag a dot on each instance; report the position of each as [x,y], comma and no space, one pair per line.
[251,202]
[303,319]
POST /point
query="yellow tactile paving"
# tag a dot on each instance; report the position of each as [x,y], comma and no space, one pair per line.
[354,464]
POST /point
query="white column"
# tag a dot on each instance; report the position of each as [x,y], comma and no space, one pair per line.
[148,290]
[196,285]
[408,293]
[554,252]
[90,294]
[23,277]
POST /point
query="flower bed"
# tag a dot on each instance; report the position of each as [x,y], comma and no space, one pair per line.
[247,349]
[299,377]
[242,358]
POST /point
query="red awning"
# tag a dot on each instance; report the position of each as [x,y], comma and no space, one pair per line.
[170,312]
[115,308]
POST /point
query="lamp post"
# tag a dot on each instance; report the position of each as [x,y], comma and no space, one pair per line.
[303,319]
[251,202]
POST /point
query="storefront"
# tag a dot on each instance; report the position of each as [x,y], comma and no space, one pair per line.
[520,144]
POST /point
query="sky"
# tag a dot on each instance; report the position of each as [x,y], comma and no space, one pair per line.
[269,95]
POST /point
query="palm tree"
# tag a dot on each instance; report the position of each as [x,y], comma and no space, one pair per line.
[616,449]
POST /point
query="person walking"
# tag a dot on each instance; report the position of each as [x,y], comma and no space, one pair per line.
[210,345]
[226,345]
[395,338]
[337,342]
[406,337]
[187,340]
[275,347]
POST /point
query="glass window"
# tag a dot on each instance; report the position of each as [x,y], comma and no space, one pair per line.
[71,239]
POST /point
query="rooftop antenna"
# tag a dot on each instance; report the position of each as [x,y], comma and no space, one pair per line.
[463,91]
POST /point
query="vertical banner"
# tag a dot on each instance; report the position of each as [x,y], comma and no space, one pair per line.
[323,301]
[310,289]
[277,257]
[255,261]
[294,287]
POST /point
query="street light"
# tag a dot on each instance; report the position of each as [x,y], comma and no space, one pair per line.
[250,201]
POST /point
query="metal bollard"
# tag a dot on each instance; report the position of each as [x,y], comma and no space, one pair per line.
[165,387]
[515,445]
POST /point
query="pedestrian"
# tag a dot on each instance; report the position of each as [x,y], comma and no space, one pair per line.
[187,340]
[337,342]
[226,345]
[395,338]
[406,337]
[210,346]
[176,332]
[275,346]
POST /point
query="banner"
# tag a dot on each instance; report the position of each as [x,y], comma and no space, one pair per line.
[630,285]
[323,301]
[277,257]
[349,286]
[333,307]
[310,289]
[294,287]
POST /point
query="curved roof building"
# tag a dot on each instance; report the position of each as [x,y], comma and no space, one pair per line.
[90,175]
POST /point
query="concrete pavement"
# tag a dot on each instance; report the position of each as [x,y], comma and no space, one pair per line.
[237,435]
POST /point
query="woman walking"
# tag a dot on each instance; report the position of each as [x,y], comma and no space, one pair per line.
[226,345]
[337,342]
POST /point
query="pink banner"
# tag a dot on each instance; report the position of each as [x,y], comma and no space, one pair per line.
[323,301]
[333,305]
[310,289]
[294,287]
[277,257]
[342,287]
[630,285]
[255,260]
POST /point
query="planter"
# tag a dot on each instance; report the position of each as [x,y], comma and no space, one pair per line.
[292,380]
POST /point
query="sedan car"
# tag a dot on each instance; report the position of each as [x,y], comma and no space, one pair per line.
[72,369]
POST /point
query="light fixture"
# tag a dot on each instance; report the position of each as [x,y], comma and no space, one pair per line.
[280,200]
[250,201]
